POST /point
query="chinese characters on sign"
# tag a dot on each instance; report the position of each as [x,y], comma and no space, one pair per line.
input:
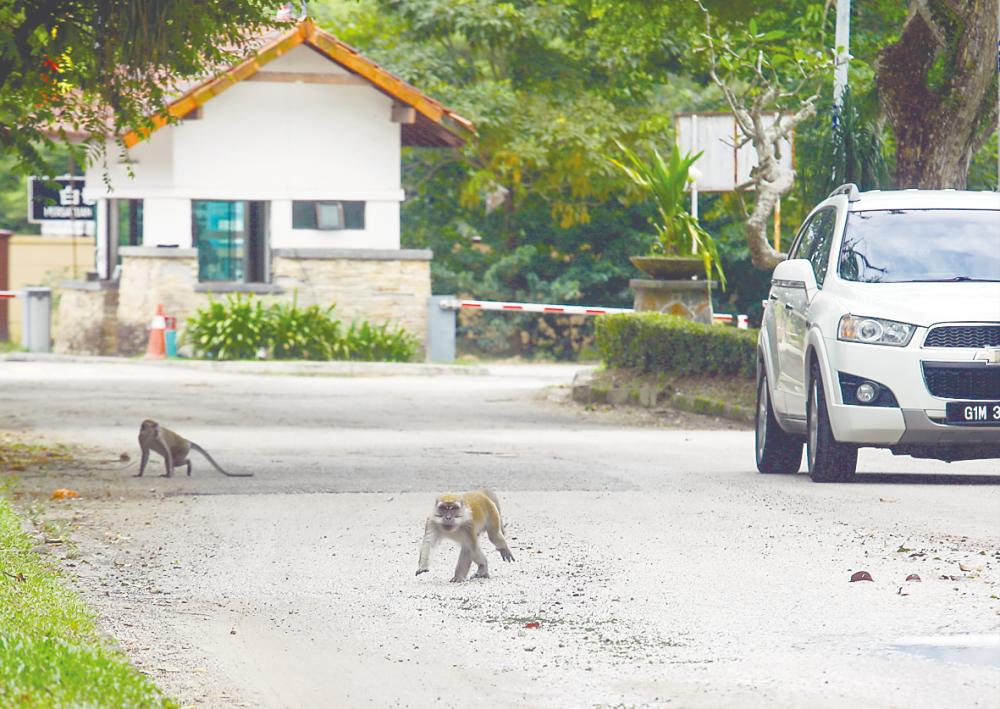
[58,199]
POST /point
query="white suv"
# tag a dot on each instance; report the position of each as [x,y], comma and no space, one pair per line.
[882,329]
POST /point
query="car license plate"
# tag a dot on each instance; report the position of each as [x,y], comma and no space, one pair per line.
[983,413]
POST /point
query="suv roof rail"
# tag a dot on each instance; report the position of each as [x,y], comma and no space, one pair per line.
[850,189]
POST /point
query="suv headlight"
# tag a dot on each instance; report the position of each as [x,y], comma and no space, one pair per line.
[875,331]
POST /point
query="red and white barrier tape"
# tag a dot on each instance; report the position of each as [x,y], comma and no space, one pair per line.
[531,307]
[9,293]
[741,321]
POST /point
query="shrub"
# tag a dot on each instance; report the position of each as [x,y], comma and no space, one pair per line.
[235,329]
[378,343]
[243,328]
[654,342]
[303,333]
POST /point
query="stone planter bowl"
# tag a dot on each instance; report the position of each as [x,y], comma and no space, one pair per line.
[670,268]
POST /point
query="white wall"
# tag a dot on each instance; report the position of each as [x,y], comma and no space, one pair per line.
[275,142]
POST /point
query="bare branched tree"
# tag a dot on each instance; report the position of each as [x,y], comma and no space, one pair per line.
[770,92]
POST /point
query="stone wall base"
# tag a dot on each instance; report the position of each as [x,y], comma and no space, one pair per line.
[379,287]
[86,318]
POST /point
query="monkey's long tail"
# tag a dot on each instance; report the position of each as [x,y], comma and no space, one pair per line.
[217,466]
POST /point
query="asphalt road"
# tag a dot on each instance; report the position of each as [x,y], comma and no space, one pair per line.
[659,567]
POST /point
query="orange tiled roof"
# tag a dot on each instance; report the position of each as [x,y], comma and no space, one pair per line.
[435,125]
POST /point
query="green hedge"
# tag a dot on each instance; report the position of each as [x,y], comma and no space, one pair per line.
[654,342]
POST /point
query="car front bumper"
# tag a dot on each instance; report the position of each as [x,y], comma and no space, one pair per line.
[919,418]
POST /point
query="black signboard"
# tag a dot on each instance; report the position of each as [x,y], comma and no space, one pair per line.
[58,199]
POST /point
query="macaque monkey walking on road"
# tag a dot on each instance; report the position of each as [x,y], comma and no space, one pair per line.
[461,518]
[174,448]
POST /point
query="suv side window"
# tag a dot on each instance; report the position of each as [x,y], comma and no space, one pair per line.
[815,241]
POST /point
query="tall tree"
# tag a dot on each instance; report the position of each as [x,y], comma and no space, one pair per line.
[76,70]
[937,85]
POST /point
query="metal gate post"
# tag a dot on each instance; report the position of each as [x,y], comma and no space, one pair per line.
[36,335]
[441,328]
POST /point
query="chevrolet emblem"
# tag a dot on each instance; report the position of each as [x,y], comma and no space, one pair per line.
[990,355]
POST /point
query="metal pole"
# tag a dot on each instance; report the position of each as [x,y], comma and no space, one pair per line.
[694,183]
[440,329]
[843,49]
[998,97]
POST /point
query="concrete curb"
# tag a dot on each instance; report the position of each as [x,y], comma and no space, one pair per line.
[588,391]
[287,368]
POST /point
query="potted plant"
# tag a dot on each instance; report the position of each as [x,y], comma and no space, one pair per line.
[682,248]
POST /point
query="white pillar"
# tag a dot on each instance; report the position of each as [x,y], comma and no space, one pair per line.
[843,49]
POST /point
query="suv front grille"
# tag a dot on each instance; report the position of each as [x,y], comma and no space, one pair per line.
[962,381]
[964,336]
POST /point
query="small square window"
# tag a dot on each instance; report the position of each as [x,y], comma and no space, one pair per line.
[328,215]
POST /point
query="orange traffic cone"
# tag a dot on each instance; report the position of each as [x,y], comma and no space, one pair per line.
[157,348]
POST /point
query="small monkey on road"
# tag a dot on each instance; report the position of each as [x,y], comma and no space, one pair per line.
[461,518]
[174,449]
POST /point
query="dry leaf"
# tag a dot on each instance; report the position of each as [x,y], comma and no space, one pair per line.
[861,576]
[970,567]
[913,577]
[63,493]
[534,625]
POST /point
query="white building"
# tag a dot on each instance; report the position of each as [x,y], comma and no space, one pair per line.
[280,177]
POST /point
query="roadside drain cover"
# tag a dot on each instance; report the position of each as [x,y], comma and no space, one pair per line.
[968,649]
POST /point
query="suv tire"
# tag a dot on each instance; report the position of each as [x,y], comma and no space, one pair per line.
[777,451]
[829,461]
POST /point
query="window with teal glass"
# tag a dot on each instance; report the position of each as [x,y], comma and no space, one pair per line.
[220,236]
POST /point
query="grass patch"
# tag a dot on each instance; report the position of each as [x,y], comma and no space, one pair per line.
[51,651]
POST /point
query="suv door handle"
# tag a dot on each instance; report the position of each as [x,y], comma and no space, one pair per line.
[789,306]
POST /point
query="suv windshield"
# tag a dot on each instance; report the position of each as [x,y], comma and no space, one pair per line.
[900,245]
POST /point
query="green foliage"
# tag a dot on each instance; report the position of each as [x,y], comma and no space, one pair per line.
[234,329]
[655,342]
[378,343]
[292,332]
[51,652]
[775,54]
[664,182]
[243,328]
[854,150]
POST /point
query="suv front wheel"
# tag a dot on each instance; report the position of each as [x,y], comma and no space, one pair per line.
[829,461]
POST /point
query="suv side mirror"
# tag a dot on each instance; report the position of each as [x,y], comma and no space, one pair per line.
[797,272]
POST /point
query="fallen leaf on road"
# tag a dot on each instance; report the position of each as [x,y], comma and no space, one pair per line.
[63,493]
[970,567]
[913,577]
[534,625]
[861,576]
[124,457]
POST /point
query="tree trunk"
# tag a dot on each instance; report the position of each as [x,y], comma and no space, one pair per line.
[937,87]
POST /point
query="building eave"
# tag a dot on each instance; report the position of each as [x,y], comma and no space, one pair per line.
[435,124]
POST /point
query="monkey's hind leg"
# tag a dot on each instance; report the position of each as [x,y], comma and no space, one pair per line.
[189,468]
[500,542]
[462,568]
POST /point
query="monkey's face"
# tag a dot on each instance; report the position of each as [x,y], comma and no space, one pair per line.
[450,514]
[148,426]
